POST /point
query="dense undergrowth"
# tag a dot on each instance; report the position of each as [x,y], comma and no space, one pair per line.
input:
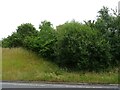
[92,46]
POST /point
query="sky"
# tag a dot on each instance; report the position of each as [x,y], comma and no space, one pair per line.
[16,12]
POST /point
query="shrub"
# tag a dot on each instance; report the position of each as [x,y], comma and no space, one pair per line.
[80,47]
[26,29]
[12,41]
[47,40]
[42,43]
[109,26]
[32,43]
[17,38]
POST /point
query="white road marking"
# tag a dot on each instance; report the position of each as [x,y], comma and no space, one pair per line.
[59,85]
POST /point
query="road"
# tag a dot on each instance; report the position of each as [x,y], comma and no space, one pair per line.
[42,85]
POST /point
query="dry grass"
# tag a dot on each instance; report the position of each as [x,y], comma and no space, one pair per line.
[19,64]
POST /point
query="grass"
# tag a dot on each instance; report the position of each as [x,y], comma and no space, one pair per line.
[22,65]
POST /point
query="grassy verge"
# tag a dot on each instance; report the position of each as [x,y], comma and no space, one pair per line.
[19,64]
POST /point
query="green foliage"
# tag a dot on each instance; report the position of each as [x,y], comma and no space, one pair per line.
[92,46]
[26,29]
[80,47]
[47,40]
[31,43]
[43,43]
[105,21]
[12,41]
[109,26]
[45,25]
[0,43]
[5,42]
[17,38]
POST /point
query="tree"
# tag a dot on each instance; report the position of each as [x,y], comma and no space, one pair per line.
[12,41]
[109,26]
[43,42]
[46,38]
[45,25]
[82,48]
[26,30]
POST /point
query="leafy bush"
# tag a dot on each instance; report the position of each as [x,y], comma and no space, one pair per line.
[47,40]
[92,46]
[31,43]
[17,38]
[80,47]
[114,39]
[5,42]
[12,41]
[26,29]
[109,26]
[42,43]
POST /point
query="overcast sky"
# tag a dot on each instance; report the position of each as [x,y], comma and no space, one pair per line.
[15,12]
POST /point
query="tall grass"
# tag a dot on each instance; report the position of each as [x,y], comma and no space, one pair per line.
[20,64]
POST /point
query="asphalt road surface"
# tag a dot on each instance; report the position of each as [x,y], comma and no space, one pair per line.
[42,85]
